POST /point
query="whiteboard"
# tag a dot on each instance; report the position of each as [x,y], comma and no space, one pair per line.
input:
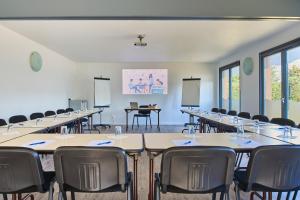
[190,92]
[102,92]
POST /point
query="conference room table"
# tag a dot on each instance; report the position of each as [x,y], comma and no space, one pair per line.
[223,120]
[132,144]
[156,143]
[154,109]
[16,130]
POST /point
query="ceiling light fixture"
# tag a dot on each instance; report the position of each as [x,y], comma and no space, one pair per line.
[140,43]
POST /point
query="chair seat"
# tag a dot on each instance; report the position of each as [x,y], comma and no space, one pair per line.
[48,176]
[141,115]
[241,177]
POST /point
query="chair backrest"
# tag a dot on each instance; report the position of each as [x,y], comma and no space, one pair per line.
[245,115]
[17,119]
[20,168]
[197,169]
[215,110]
[36,115]
[89,169]
[283,122]
[2,122]
[275,167]
[60,111]
[232,113]
[144,112]
[223,111]
[261,118]
[69,110]
[49,113]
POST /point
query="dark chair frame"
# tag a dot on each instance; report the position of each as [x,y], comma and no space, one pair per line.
[267,170]
[17,119]
[142,114]
[36,115]
[181,165]
[3,122]
[24,173]
[261,118]
[283,122]
[105,170]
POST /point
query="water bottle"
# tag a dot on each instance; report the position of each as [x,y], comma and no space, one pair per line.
[63,130]
[118,130]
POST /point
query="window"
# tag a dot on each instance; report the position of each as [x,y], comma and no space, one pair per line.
[279,81]
[229,84]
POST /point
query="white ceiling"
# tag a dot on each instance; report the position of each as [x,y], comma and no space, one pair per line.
[168,41]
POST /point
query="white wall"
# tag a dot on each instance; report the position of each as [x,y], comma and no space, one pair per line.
[250,84]
[170,103]
[24,91]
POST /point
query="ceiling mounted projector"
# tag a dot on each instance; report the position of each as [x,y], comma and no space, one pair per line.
[140,43]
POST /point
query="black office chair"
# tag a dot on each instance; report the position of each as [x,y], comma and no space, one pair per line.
[17,119]
[3,122]
[60,111]
[49,113]
[142,114]
[21,172]
[92,169]
[232,113]
[216,110]
[271,169]
[245,115]
[223,111]
[36,116]
[69,110]
[261,118]
[283,122]
[195,170]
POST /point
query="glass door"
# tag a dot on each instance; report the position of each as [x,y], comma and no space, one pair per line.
[273,86]
[293,63]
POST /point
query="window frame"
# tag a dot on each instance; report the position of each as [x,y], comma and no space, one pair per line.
[282,49]
[229,67]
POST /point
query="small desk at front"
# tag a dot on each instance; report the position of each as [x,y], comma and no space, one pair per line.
[132,144]
[155,109]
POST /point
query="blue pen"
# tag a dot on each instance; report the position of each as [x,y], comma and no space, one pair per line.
[188,142]
[248,142]
[101,143]
[36,143]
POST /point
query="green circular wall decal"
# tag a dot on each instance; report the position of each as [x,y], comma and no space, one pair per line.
[248,66]
[36,61]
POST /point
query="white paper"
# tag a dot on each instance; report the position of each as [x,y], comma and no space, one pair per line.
[246,142]
[185,142]
[100,143]
[37,143]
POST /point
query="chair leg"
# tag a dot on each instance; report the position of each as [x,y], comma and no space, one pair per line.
[288,195]
[156,190]
[295,195]
[138,124]
[237,191]
[4,196]
[51,191]
[279,195]
[270,195]
[146,122]
[132,123]
[72,195]
[214,196]
[150,122]
[227,196]
[222,196]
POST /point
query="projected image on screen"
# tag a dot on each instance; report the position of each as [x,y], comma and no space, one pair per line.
[145,81]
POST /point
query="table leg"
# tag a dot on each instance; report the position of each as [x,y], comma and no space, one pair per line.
[158,126]
[151,166]
[126,121]
[135,171]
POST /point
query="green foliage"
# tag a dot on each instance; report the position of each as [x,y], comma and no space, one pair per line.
[294,83]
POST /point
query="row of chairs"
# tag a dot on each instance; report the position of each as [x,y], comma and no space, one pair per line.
[262,118]
[195,170]
[33,116]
